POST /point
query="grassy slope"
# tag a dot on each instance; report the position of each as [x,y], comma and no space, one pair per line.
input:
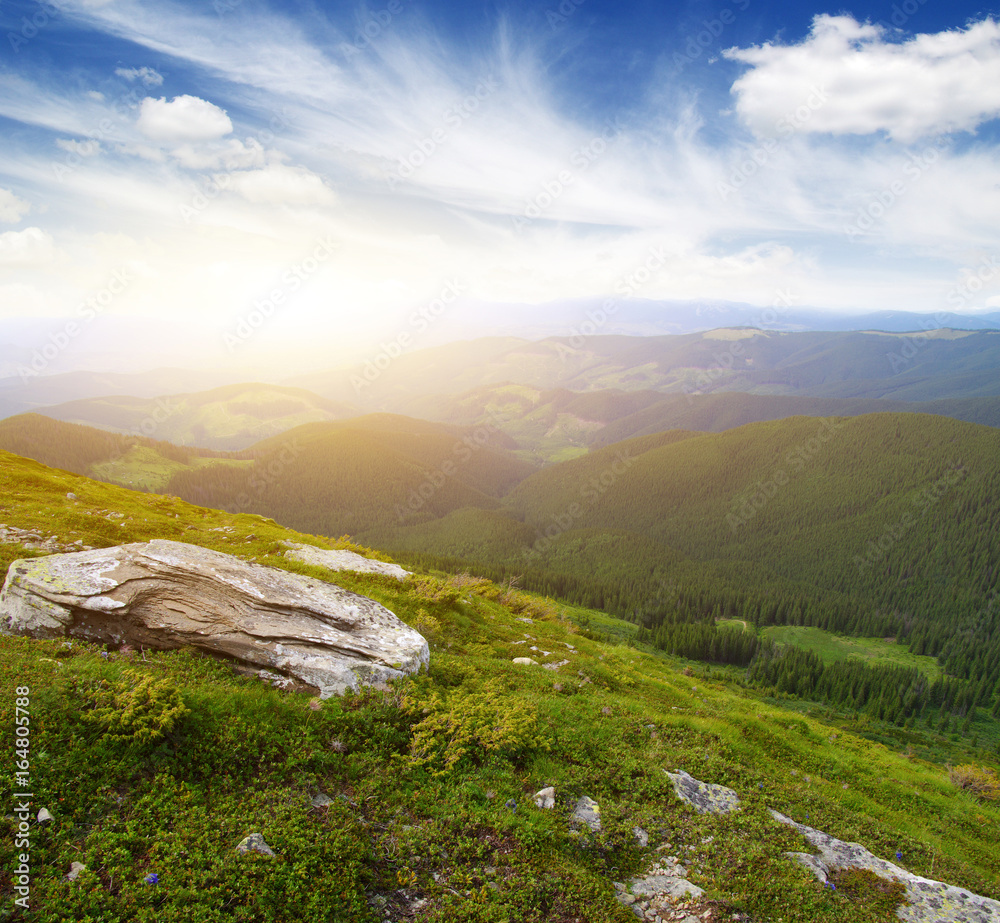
[248,757]
[129,460]
[143,468]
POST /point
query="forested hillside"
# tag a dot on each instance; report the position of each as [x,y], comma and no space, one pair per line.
[131,460]
[352,476]
[555,425]
[881,525]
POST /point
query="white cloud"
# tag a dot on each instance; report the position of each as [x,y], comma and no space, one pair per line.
[929,84]
[278,184]
[82,148]
[231,154]
[12,209]
[29,247]
[147,75]
[184,118]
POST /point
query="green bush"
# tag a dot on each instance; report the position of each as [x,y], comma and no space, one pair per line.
[864,886]
[467,722]
[137,708]
[979,781]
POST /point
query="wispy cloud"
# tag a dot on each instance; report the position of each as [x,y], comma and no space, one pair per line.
[426,158]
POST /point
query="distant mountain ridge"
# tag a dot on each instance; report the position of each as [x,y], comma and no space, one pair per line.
[917,366]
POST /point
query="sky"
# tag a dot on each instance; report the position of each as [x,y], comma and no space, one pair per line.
[256,175]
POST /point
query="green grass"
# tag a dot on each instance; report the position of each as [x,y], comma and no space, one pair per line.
[733,623]
[830,648]
[408,821]
[143,468]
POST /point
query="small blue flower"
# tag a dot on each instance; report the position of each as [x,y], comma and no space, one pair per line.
[899,854]
[152,879]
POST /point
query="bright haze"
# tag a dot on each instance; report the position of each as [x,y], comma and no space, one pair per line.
[236,181]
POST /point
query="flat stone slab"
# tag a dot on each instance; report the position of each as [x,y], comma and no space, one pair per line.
[704,797]
[164,595]
[929,901]
[342,560]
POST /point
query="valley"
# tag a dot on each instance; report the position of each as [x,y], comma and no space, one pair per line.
[828,560]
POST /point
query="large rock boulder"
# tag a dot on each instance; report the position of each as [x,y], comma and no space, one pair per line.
[928,901]
[342,560]
[164,594]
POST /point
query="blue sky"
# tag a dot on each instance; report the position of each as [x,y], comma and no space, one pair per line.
[334,168]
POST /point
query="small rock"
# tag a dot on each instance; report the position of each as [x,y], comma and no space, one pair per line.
[641,837]
[546,798]
[254,843]
[74,870]
[71,496]
[704,797]
[588,812]
[321,800]
[606,711]
[526,661]
[556,665]
[44,817]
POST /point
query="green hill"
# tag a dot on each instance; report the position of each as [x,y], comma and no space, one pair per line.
[351,476]
[230,418]
[557,425]
[130,460]
[428,784]
[873,526]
